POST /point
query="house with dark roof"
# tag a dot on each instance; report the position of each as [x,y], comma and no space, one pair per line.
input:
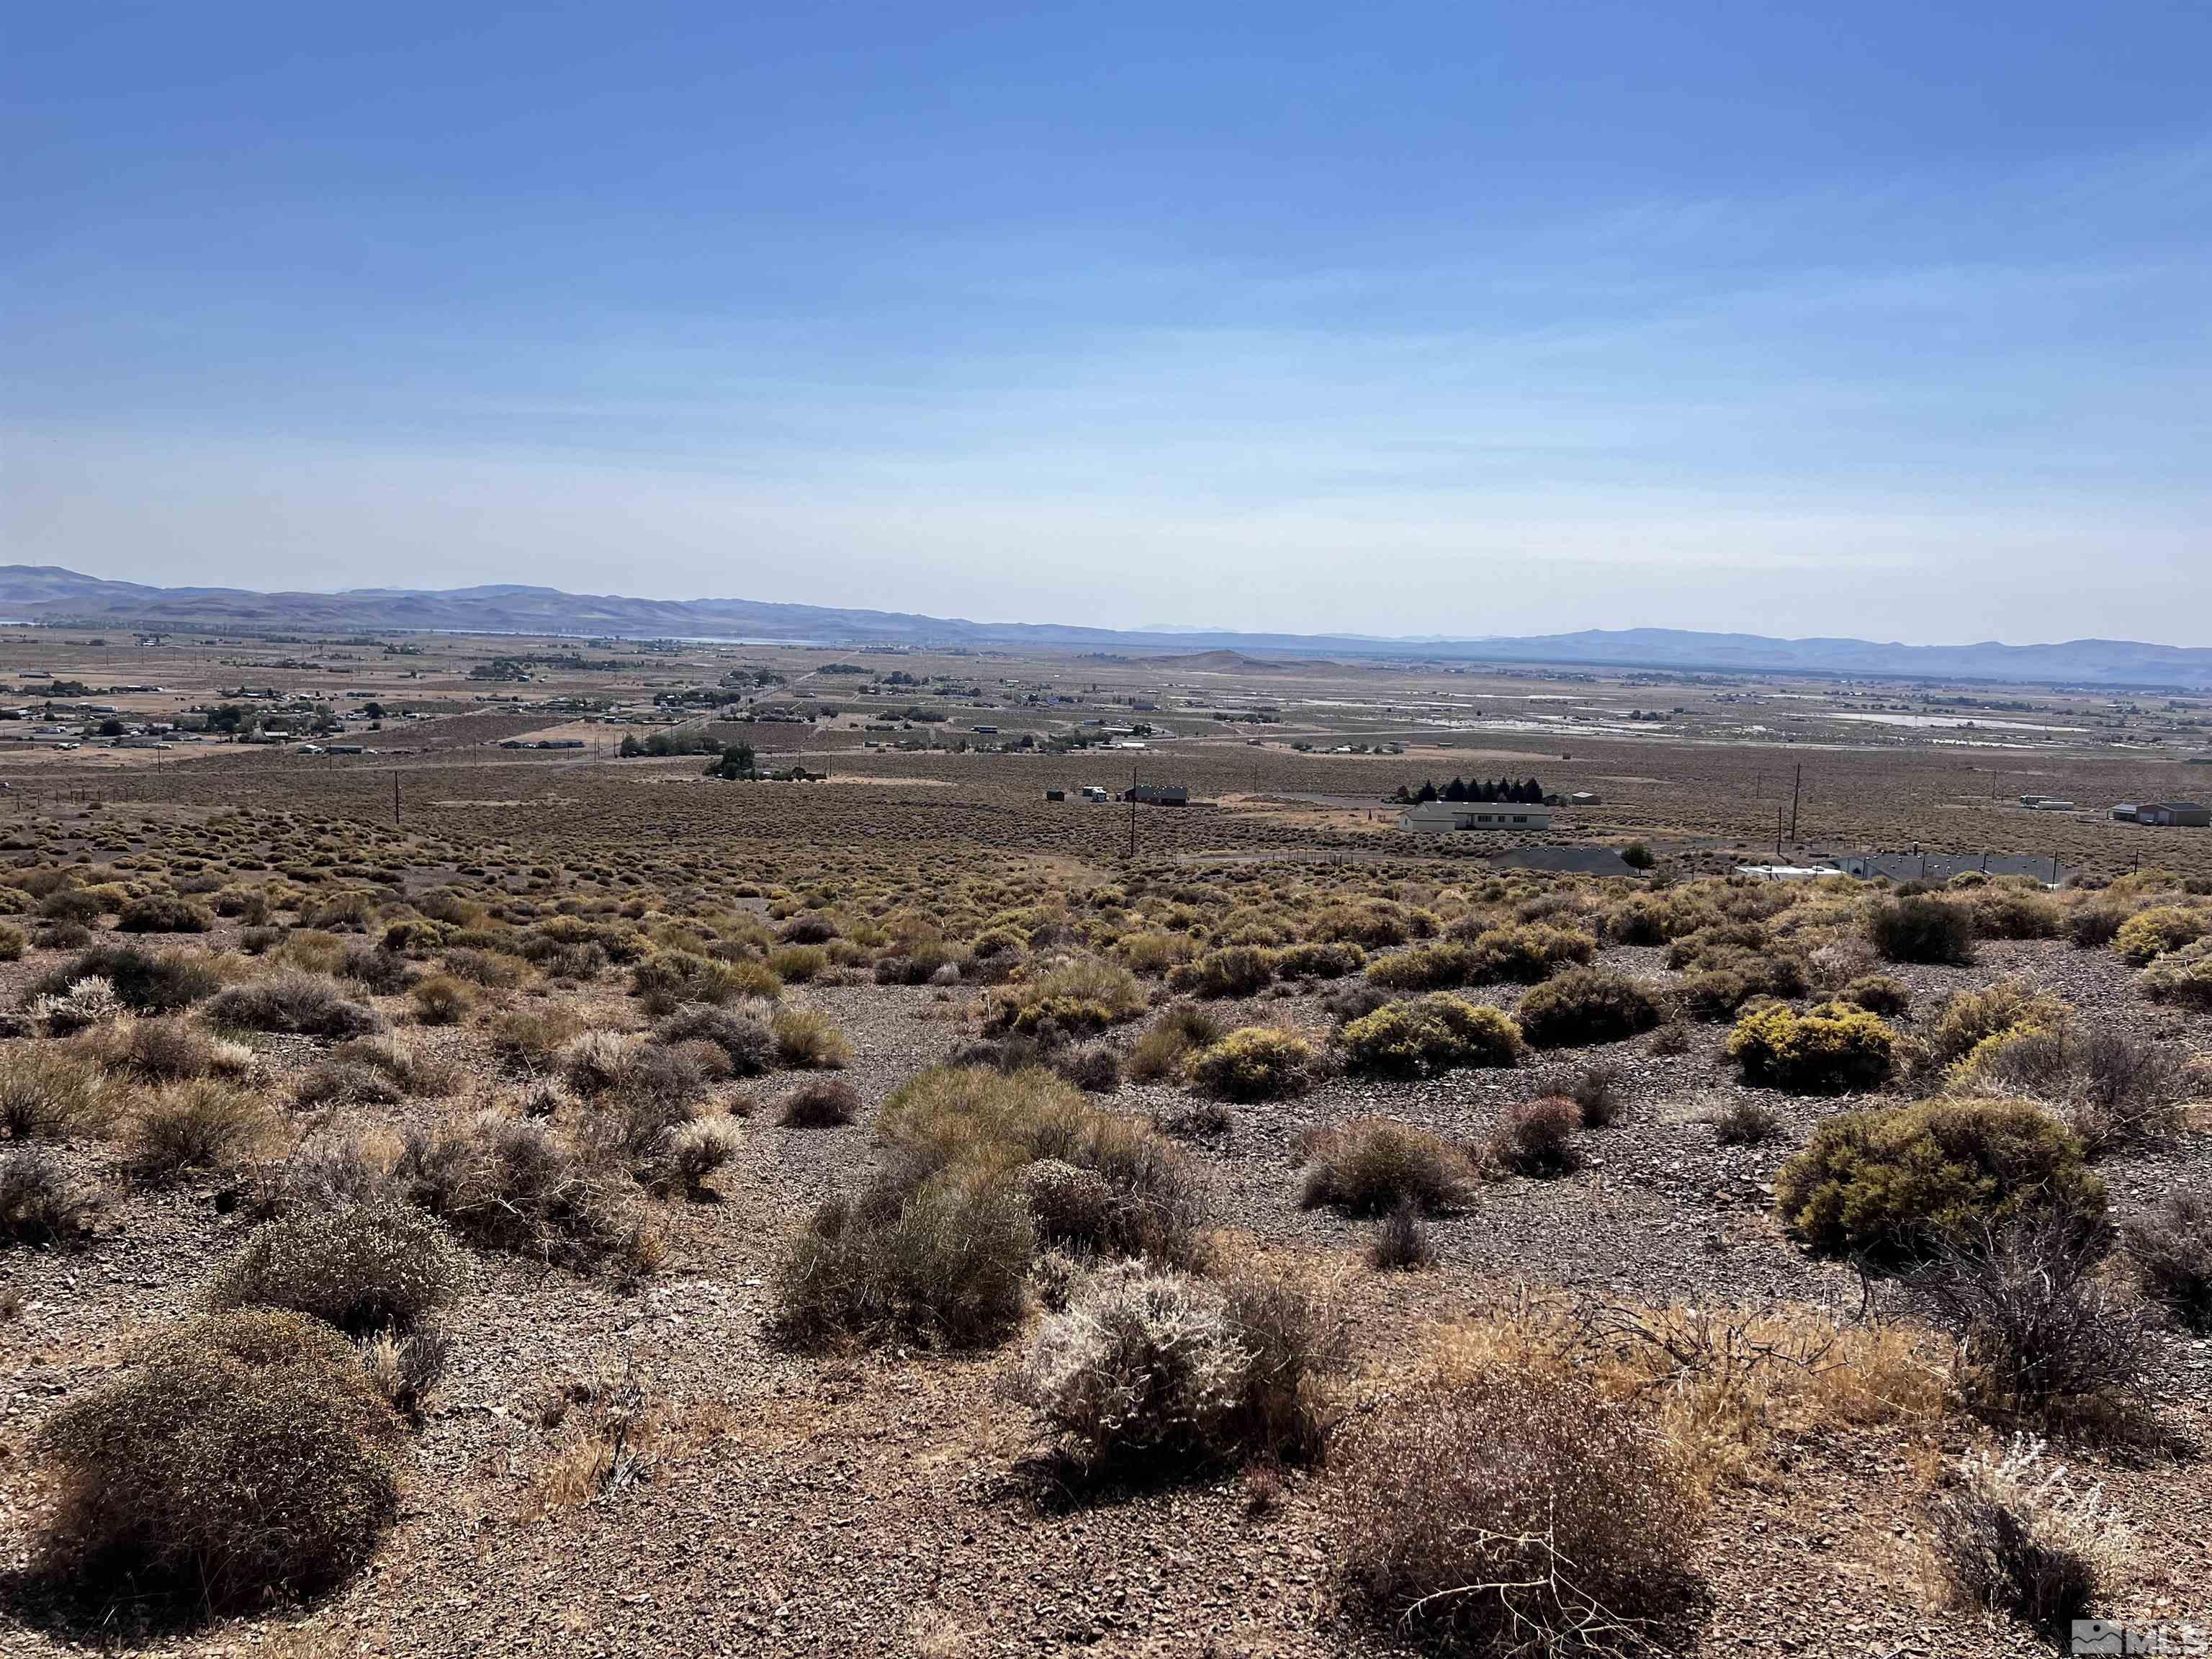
[2174,814]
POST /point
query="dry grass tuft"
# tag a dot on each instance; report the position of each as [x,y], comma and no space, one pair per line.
[202,1126]
[1373,1165]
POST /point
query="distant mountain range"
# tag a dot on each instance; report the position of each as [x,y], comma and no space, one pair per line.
[47,594]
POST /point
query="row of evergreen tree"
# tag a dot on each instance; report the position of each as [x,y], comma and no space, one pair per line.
[1527,792]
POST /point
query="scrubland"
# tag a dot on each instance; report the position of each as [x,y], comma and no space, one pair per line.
[674,1216]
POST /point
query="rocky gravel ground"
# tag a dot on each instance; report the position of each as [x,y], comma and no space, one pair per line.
[869,1503]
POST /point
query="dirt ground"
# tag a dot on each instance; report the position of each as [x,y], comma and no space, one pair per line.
[880,1500]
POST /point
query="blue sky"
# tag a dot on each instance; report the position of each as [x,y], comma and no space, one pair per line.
[1884,320]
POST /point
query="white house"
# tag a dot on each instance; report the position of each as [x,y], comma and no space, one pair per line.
[1438,818]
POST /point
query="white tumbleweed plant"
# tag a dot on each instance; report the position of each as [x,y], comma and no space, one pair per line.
[2018,1535]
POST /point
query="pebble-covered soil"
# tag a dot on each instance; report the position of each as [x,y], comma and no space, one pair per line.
[872,1503]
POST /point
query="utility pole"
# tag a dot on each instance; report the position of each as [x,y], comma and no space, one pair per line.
[1132,812]
[395,795]
[1794,788]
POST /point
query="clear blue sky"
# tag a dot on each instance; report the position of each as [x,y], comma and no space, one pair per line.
[1887,319]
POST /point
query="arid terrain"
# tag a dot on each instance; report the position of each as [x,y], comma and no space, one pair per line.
[463,1196]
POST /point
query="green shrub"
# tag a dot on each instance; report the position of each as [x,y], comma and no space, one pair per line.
[1235,970]
[806,1039]
[799,965]
[2149,934]
[442,999]
[941,1259]
[1372,1165]
[163,913]
[1888,1181]
[243,1456]
[1923,930]
[1320,959]
[1833,1049]
[1527,955]
[147,982]
[1970,1019]
[2007,911]
[361,1268]
[998,1123]
[201,1126]
[1442,964]
[1160,1052]
[1257,1063]
[1585,1005]
[1879,993]
[1434,1033]
[1077,995]
[2182,976]
[1518,955]
[666,980]
[48,1091]
[302,1005]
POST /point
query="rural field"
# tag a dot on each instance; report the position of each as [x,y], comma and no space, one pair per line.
[762,1177]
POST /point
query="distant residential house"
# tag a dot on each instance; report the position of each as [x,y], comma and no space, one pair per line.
[1441,817]
[2174,814]
[1158,794]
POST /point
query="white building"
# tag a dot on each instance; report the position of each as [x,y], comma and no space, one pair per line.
[1439,817]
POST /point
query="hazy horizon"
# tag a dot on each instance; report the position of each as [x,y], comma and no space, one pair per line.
[1412,321]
